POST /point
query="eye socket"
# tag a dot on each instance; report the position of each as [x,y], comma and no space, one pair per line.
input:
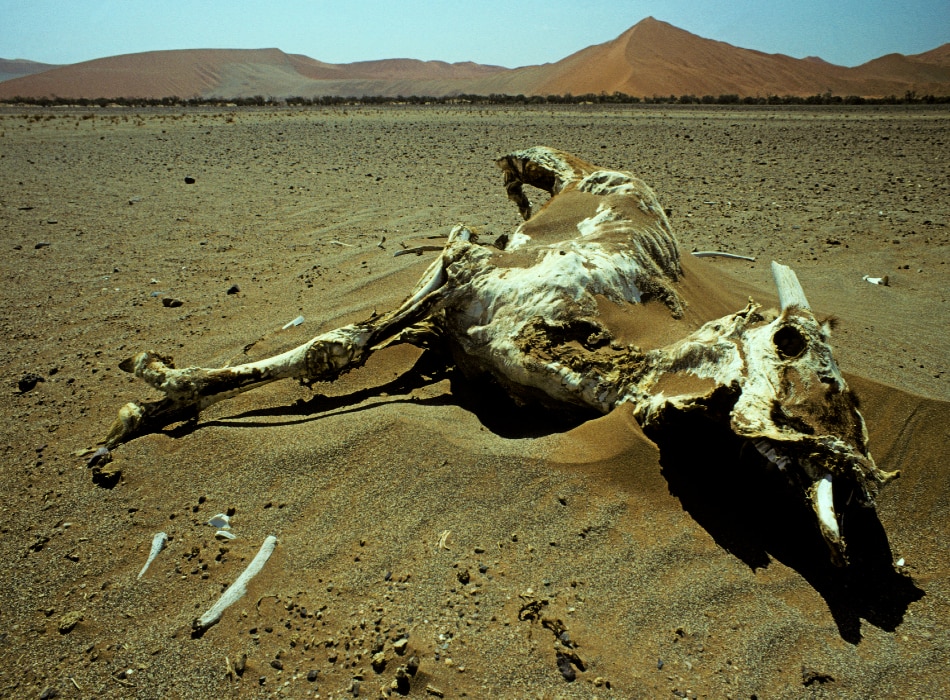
[789,342]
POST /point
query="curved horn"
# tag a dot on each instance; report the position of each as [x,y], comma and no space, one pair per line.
[790,292]
[822,500]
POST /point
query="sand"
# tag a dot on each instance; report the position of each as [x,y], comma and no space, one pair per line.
[408,504]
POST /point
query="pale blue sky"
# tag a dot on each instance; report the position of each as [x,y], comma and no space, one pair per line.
[509,33]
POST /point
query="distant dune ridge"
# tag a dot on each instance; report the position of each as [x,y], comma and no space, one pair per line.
[650,58]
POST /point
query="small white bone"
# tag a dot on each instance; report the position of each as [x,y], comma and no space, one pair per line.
[721,254]
[237,589]
[158,544]
[221,521]
[825,506]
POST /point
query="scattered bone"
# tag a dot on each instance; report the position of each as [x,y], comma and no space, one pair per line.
[221,521]
[237,589]
[158,544]
[296,322]
[883,281]
[341,243]
[418,250]
[720,254]
[444,538]
[225,535]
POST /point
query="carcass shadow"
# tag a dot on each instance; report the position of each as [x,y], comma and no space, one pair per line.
[751,510]
[481,396]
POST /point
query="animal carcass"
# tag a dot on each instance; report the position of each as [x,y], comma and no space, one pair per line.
[533,311]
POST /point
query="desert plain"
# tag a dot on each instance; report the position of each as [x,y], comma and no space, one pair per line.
[495,551]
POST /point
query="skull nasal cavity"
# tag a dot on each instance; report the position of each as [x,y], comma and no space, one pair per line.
[789,342]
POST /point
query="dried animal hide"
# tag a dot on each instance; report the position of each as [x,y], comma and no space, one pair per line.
[530,311]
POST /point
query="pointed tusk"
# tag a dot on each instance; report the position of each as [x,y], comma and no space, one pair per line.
[790,292]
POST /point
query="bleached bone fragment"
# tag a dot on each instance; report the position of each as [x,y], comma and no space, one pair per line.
[824,503]
[158,544]
[721,254]
[296,322]
[221,521]
[224,535]
[237,589]
[882,281]
[790,292]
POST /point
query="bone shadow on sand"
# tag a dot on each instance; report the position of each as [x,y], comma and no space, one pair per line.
[493,407]
[746,506]
[751,511]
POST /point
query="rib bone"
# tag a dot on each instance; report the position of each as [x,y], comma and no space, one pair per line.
[238,588]
[158,544]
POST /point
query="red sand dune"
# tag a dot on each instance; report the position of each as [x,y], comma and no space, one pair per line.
[650,58]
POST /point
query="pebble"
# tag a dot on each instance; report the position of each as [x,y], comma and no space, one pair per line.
[233,289]
[171,303]
[68,621]
[28,381]
[400,646]
[189,180]
[312,675]
[106,475]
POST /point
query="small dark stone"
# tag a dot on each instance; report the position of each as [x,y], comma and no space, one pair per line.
[566,668]
[42,244]
[233,289]
[312,675]
[189,180]
[464,577]
[48,693]
[277,664]
[171,303]
[28,381]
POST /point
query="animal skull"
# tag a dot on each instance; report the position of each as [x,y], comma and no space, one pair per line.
[533,311]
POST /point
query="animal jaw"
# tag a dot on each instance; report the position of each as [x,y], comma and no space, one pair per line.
[529,312]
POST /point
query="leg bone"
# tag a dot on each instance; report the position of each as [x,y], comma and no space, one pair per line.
[188,391]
